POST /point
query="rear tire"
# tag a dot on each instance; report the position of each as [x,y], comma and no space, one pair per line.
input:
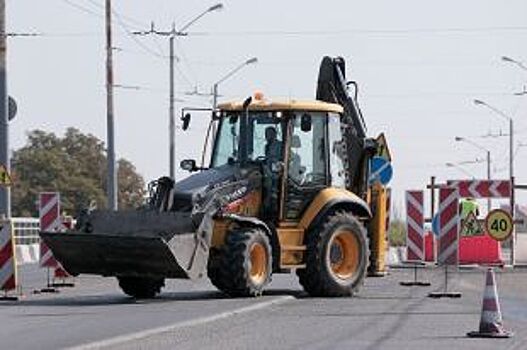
[141,287]
[337,257]
[244,265]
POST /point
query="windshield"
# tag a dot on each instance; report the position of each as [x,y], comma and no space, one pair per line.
[263,137]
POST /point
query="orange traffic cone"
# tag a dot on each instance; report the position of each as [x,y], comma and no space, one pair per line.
[491,323]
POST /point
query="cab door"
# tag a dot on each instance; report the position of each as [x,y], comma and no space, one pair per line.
[306,167]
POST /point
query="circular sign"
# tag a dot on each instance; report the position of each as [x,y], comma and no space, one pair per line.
[499,224]
[12,108]
[435,225]
[380,170]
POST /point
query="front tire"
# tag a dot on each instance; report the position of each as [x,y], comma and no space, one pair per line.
[245,263]
[337,257]
[141,287]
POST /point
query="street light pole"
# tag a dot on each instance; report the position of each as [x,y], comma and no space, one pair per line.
[460,168]
[171,109]
[477,145]
[511,167]
[227,76]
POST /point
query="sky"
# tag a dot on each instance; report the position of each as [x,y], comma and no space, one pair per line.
[419,65]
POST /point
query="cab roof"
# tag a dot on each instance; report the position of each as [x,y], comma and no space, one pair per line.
[283,105]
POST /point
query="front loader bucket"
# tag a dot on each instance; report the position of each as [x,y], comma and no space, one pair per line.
[135,243]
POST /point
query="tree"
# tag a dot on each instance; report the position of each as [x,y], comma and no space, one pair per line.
[75,166]
[397,229]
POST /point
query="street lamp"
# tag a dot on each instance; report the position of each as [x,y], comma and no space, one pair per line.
[516,62]
[511,132]
[477,145]
[460,168]
[519,64]
[227,76]
[172,118]
[511,163]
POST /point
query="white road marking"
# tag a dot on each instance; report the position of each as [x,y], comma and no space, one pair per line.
[190,323]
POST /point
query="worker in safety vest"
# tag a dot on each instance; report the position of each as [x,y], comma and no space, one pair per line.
[467,206]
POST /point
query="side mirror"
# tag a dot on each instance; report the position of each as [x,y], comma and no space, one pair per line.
[305,122]
[186,121]
[188,165]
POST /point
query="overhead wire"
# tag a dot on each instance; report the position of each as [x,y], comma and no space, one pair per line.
[120,21]
[83,8]
[407,31]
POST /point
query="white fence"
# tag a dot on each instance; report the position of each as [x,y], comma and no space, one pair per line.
[26,231]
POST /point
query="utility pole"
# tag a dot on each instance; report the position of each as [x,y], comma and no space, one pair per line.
[172,113]
[112,173]
[5,194]
[172,58]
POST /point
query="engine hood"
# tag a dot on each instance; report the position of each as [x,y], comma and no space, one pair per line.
[200,186]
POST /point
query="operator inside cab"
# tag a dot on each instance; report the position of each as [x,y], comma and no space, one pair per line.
[273,147]
[273,155]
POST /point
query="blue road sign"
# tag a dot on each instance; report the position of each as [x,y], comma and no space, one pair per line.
[380,170]
[435,225]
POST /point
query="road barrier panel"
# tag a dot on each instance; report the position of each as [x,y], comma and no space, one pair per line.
[448,252]
[482,188]
[67,223]
[414,226]
[50,220]
[49,216]
[415,242]
[8,267]
[480,250]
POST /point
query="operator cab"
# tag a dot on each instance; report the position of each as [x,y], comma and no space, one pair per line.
[297,146]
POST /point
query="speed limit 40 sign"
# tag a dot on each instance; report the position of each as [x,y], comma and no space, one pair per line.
[499,224]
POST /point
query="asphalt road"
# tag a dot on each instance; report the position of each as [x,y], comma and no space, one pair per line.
[384,315]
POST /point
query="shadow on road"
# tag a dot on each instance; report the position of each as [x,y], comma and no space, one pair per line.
[120,299]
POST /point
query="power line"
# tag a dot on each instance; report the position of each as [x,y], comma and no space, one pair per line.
[130,34]
[83,8]
[120,22]
[408,31]
[124,17]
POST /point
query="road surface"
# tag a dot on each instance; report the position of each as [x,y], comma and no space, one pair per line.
[384,315]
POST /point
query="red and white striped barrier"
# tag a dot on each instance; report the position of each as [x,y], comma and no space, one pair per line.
[8,276]
[66,224]
[449,227]
[50,220]
[482,188]
[415,226]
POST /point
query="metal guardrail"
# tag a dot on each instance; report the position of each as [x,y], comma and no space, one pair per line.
[26,230]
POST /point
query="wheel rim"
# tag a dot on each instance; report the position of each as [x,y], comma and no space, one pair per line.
[343,254]
[258,255]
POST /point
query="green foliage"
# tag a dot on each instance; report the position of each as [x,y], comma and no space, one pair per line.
[397,229]
[75,166]
[397,233]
